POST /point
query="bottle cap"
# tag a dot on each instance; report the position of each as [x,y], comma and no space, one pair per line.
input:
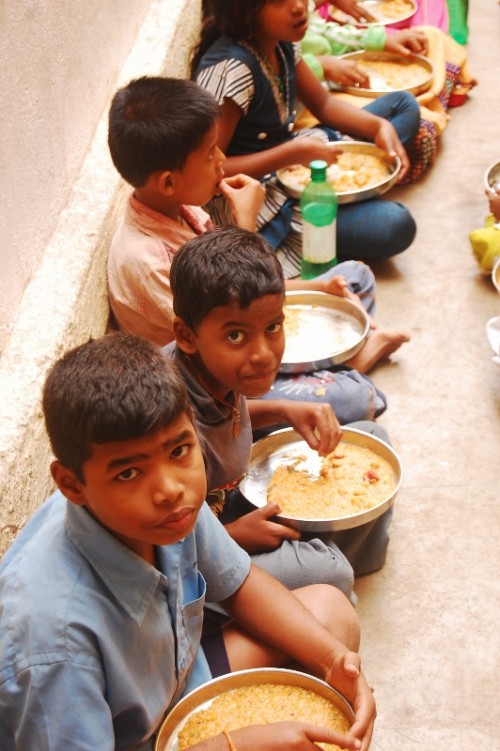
[318,170]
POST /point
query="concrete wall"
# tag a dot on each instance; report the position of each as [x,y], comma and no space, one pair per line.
[61,198]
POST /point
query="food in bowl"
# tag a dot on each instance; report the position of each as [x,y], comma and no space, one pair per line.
[388,75]
[348,480]
[350,172]
[261,704]
[393,9]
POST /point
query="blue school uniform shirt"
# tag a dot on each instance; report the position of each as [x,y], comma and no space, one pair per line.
[95,643]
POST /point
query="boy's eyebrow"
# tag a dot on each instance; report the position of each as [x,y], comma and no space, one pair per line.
[122,461]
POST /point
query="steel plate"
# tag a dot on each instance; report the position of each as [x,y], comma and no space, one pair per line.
[276,448]
[492,177]
[376,8]
[362,194]
[200,698]
[378,86]
[322,330]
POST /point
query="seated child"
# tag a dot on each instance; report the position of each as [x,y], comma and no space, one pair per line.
[451,82]
[102,592]
[485,242]
[172,161]
[228,290]
[249,58]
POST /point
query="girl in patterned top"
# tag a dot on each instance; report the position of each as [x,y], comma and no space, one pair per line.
[249,58]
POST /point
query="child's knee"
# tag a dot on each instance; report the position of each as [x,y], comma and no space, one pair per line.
[333,609]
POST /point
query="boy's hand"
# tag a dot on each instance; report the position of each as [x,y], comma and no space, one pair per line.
[245,196]
[316,422]
[406,42]
[343,72]
[352,8]
[255,533]
[299,736]
[346,676]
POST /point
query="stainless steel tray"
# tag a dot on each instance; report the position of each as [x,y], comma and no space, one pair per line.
[361,194]
[166,739]
[275,449]
[322,330]
[376,8]
[386,57]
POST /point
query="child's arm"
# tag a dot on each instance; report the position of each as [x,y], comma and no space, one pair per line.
[268,611]
[315,421]
[347,118]
[294,151]
[245,196]
[494,202]
[406,42]
[353,9]
[255,533]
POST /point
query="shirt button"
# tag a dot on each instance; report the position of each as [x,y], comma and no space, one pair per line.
[290,127]
[261,136]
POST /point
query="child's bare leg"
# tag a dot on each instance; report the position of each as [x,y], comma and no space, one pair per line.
[326,603]
[380,344]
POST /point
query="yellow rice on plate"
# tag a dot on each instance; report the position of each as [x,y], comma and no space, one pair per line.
[262,704]
[350,479]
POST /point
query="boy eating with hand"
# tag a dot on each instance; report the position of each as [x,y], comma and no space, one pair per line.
[229,294]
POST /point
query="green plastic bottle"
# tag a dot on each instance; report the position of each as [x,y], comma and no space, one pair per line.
[318,204]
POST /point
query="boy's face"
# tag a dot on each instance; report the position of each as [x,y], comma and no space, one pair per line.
[146,491]
[198,181]
[239,349]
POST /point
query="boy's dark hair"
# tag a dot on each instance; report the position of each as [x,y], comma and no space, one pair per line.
[223,265]
[235,18]
[155,123]
[115,388]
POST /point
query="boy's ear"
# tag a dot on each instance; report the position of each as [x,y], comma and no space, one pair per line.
[184,336]
[68,483]
[166,182]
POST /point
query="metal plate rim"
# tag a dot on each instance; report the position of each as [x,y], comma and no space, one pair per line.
[166,738]
[287,436]
[337,304]
[492,174]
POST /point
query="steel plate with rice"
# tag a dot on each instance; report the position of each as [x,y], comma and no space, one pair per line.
[287,448]
[388,72]
[362,171]
[321,330]
[385,12]
[249,697]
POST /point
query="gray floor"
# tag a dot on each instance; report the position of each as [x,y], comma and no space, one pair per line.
[430,618]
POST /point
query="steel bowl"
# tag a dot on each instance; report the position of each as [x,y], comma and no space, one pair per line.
[269,452]
[361,194]
[325,330]
[492,177]
[375,7]
[200,698]
[386,57]
[495,275]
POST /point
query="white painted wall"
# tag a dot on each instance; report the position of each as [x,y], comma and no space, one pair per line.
[61,197]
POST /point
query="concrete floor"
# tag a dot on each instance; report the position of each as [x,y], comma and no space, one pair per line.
[430,618]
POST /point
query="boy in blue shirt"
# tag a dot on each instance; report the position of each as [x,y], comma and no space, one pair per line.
[102,592]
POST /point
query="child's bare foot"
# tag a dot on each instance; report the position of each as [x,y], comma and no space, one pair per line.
[380,344]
